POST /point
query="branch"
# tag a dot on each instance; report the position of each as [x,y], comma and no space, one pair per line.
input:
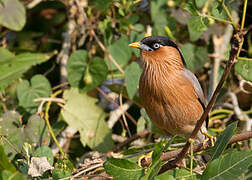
[230,63]
[197,148]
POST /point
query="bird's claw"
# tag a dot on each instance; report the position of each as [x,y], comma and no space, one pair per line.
[209,137]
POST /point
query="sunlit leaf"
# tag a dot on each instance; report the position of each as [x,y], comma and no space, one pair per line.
[122,169]
[12,14]
[233,164]
[176,174]
[82,114]
[13,68]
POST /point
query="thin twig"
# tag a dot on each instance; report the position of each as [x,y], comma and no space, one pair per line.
[57,100]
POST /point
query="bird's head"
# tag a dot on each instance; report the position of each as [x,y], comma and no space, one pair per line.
[159,50]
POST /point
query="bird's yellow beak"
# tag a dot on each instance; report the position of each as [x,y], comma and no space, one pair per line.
[135,44]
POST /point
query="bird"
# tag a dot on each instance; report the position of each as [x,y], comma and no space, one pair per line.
[170,93]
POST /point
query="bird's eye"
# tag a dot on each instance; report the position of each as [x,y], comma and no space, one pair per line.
[156,45]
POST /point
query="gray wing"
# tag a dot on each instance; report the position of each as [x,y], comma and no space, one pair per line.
[192,78]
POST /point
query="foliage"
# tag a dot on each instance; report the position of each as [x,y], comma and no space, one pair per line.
[67,73]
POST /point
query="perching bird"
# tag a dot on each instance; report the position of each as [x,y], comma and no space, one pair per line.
[170,93]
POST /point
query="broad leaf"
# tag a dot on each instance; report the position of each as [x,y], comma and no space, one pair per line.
[132,76]
[5,163]
[159,16]
[82,114]
[120,52]
[156,163]
[195,56]
[196,25]
[76,67]
[35,132]
[11,127]
[200,3]
[123,169]
[223,140]
[98,71]
[13,68]
[12,176]
[38,88]
[190,7]
[44,151]
[243,68]
[12,14]
[176,174]
[5,54]
[233,164]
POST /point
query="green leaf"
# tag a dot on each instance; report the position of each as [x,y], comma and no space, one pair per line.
[36,131]
[76,67]
[195,56]
[243,68]
[38,88]
[159,16]
[156,163]
[82,114]
[200,3]
[132,76]
[197,23]
[98,71]
[59,173]
[7,175]
[223,140]
[44,151]
[11,127]
[12,14]
[123,169]
[5,163]
[190,7]
[176,174]
[13,68]
[140,124]
[120,51]
[218,11]
[5,54]
[63,168]
[233,164]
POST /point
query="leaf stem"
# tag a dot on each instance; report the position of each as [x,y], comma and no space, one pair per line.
[244,13]
[215,18]
[244,59]
[49,125]
[229,15]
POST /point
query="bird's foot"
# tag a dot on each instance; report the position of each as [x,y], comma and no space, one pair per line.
[209,137]
[145,159]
